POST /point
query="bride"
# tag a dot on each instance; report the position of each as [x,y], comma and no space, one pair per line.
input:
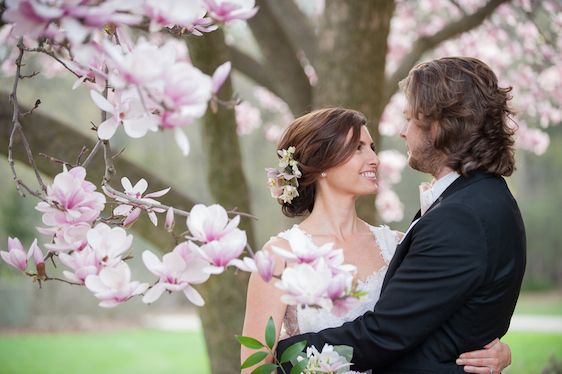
[336,156]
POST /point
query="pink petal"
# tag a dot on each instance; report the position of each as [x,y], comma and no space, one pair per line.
[101,101]
[154,293]
[193,296]
[107,128]
[158,193]
[220,75]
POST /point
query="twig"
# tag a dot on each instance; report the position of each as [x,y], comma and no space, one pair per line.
[52,54]
[56,160]
[92,154]
[112,192]
[37,103]
[17,127]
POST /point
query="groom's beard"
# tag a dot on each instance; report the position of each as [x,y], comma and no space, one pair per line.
[425,157]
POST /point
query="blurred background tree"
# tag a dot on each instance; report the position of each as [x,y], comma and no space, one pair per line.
[295,56]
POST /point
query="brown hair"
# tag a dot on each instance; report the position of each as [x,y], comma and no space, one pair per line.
[320,141]
[462,96]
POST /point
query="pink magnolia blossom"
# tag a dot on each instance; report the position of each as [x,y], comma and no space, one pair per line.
[144,64]
[30,17]
[15,256]
[124,107]
[263,263]
[223,240]
[304,284]
[220,75]
[109,243]
[170,222]
[533,140]
[230,10]
[248,118]
[389,206]
[72,199]
[186,92]
[36,254]
[391,165]
[82,263]
[178,270]
[67,238]
[327,361]
[303,250]
[132,209]
[167,13]
[113,285]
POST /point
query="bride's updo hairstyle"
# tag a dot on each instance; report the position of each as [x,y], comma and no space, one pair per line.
[321,142]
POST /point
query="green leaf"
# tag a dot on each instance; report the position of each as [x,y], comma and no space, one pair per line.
[345,351]
[299,368]
[293,351]
[252,343]
[265,369]
[254,359]
[270,333]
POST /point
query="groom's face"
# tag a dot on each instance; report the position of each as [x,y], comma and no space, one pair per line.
[422,155]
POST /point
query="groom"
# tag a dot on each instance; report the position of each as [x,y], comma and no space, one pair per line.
[455,278]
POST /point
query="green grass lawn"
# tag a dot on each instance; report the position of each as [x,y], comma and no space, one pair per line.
[544,303]
[148,351]
[531,351]
[121,352]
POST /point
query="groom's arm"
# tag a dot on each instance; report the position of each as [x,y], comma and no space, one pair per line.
[443,267]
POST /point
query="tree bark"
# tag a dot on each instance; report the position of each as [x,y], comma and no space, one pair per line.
[281,59]
[351,63]
[225,295]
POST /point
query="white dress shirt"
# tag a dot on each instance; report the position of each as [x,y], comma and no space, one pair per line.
[429,193]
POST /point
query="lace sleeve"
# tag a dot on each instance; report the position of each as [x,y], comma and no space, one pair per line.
[387,240]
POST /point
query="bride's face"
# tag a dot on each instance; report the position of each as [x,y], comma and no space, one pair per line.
[356,176]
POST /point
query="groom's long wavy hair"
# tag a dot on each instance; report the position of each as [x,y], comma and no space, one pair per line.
[321,141]
[474,121]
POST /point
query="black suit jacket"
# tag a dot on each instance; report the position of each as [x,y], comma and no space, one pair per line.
[450,288]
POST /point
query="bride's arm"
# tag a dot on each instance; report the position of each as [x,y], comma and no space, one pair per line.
[263,300]
[495,355]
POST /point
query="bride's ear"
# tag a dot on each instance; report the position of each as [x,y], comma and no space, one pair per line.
[323,174]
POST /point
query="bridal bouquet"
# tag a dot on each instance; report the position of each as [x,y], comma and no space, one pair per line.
[331,360]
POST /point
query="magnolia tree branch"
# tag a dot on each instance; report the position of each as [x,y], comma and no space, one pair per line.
[297,27]
[52,54]
[17,127]
[281,58]
[253,69]
[426,43]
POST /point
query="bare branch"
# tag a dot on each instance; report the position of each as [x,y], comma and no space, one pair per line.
[280,55]
[52,54]
[459,7]
[141,203]
[253,69]
[297,27]
[426,43]
[17,127]
[92,154]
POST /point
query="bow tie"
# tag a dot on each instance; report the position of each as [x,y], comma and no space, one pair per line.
[426,196]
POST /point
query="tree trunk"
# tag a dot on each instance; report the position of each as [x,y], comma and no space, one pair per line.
[225,295]
[351,64]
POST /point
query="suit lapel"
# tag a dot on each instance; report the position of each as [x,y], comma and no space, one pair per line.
[404,246]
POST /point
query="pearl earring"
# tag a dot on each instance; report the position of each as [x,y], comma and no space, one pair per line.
[323,174]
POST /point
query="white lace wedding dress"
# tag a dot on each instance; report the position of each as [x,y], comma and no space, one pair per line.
[302,320]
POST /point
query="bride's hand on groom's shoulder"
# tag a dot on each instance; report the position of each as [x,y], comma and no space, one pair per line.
[493,358]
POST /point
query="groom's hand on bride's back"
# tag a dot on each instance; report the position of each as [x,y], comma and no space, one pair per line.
[495,356]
